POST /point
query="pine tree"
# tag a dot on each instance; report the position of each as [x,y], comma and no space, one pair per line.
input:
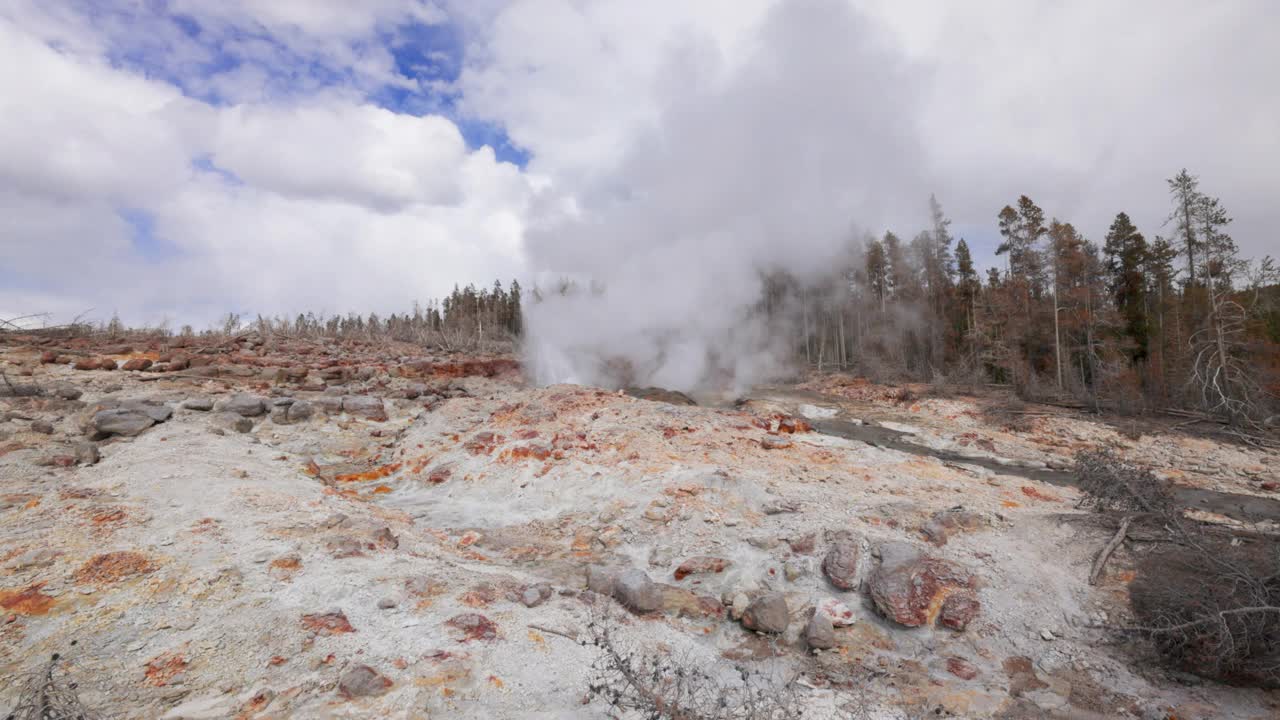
[1126,259]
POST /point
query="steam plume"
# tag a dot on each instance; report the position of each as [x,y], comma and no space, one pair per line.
[773,164]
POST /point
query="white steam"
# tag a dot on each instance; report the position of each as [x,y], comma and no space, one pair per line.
[772,164]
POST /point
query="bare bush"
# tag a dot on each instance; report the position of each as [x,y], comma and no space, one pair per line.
[50,694]
[659,686]
[1209,601]
[1212,607]
[1111,484]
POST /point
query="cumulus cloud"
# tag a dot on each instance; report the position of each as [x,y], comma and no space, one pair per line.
[121,193]
[197,156]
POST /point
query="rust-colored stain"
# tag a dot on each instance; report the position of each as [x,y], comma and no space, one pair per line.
[113,567]
[109,515]
[522,452]
[473,626]
[1010,504]
[27,601]
[381,490]
[377,473]
[1038,495]
[164,668]
[333,623]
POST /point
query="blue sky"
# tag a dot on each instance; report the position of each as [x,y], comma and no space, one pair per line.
[159,42]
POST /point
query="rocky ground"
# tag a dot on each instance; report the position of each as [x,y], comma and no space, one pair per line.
[283,528]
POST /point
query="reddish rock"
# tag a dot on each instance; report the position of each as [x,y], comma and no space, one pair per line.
[841,562]
[473,626]
[773,442]
[88,364]
[48,357]
[701,565]
[180,362]
[802,545]
[107,364]
[362,681]
[911,588]
[961,668]
[137,365]
[333,622]
[958,610]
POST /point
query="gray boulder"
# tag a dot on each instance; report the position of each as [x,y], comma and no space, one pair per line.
[198,404]
[767,613]
[127,422]
[156,411]
[244,405]
[819,633]
[370,408]
[66,391]
[295,412]
[362,681]
[637,592]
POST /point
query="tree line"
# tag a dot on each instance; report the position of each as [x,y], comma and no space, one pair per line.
[1180,321]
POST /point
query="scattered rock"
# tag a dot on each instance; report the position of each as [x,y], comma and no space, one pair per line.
[244,405]
[136,364]
[910,588]
[535,595]
[774,442]
[943,523]
[242,425]
[198,404]
[333,622]
[837,612]
[66,391]
[472,626]
[819,633]
[386,604]
[370,408]
[671,397]
[87,453]
[87,364]
[803,544]
[841,562]
[637,592]
[120,421]
[701,565]
[601,579]
[1047,635]
[293,412]
[767,613]
[43,427]
[154,410]
[362,681]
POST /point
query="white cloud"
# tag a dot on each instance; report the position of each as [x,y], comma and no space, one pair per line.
[334,204]
[655,120]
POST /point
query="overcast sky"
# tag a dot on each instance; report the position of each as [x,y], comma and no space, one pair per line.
[181,159]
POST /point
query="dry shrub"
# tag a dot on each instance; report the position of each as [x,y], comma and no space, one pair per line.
[1213,608]
[1210,602]
[659,686]
[902,395]
[1111,484]
[1010,416]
